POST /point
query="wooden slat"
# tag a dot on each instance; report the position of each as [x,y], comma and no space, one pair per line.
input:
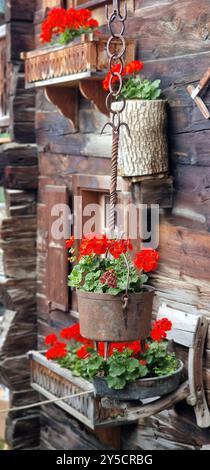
[184,325]
[57,264]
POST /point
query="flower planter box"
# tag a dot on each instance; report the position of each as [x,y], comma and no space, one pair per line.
[146,153]
[103,318]
[64,69]
[84,58]
[142,388]
[53,381]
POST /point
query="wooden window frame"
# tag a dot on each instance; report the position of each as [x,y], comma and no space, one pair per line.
[99,184]
[87,3]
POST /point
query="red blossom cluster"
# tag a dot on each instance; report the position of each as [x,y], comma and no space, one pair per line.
[101,244]
[109,278]
[94,244]
[98,244]
[59,19]
[59,349]
[160,327]
[119,247]
[147,260]
[70,242]
[72,332]
[134,67]
[135,346]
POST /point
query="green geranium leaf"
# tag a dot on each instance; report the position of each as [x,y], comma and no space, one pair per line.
[118,383]
[116,370]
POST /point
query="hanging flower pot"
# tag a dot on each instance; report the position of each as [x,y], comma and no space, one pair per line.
[114,302]
[105,317]
[146,151]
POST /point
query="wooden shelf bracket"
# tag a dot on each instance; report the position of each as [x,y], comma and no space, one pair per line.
[66,98]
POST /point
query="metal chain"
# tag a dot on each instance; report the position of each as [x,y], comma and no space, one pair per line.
[116,58]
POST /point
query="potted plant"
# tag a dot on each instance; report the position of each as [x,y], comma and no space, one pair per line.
[145,113]
[114,299]
[132,371]
[72,45]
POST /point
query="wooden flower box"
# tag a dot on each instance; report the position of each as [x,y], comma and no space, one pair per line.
[84,58]
[64,69]
[54,382]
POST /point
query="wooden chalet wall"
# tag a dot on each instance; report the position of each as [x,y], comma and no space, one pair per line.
[173,40]
[18,175]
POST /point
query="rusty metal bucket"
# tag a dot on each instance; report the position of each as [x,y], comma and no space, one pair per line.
[102,317]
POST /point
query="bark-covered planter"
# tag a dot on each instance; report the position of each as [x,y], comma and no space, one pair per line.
[146,153]
[142,388]
[103,318]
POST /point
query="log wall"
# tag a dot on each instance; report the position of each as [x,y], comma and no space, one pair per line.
[18,176]
[173,40]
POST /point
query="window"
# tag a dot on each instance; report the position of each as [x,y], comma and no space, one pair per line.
[86,190]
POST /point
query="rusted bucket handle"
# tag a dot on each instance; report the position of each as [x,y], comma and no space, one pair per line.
[125,299]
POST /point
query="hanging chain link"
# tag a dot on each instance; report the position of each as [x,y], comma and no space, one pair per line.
[116,58]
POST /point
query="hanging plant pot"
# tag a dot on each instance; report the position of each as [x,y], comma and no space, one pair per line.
[142,388]
[105,317]
[146,153]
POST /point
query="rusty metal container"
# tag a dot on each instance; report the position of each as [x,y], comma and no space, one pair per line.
[103,318]
[141,389]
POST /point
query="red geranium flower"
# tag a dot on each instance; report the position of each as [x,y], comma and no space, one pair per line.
[59,20]
[134,67]
[70,242]
[94,244]
[119,247]
[157,334]
[160,327]
[51,339]
[147,260]
[82,353]
[115,69]
[72,332]
[58,351]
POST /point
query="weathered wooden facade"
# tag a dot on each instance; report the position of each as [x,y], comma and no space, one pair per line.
[173,40]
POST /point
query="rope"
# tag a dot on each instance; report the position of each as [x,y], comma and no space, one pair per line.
[44,402]
[113,187]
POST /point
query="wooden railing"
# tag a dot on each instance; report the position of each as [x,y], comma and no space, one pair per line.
[4,112]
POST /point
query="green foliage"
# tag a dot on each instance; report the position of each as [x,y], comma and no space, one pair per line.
[70,34]
[122,369]
[159,361]
[136,88]
[86,275]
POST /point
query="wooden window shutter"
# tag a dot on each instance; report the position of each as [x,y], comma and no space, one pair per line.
[57,264]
